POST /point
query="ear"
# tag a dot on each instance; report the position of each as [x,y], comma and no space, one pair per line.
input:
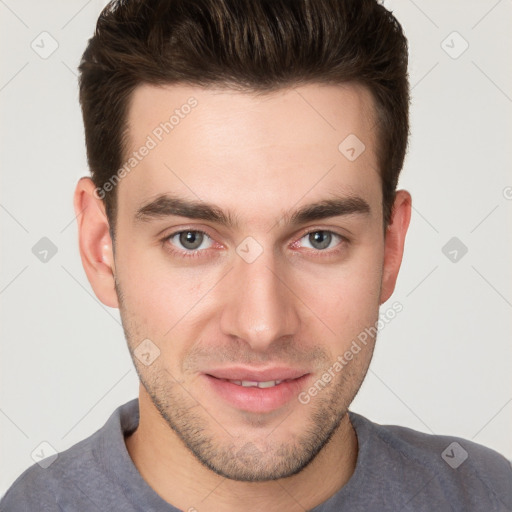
[95,242]
[394,242]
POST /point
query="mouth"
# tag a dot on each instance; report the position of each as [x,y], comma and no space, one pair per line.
[256,384]
[256,391]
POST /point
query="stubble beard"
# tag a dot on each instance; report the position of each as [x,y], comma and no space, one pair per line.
[250,459]
[247,459]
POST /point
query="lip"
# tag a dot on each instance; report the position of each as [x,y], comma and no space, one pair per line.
[255,399]
[263,375]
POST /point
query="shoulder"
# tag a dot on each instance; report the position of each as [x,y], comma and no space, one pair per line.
[41,485]
[462,471]
[68,476]
[37,488]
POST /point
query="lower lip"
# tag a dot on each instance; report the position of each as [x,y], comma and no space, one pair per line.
[254,399]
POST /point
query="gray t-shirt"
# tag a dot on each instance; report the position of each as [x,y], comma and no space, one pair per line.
[398,469]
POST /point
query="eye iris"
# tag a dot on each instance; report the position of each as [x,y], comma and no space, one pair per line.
[321,238]
[193,238]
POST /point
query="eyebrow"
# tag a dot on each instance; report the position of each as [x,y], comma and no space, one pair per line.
[169,205]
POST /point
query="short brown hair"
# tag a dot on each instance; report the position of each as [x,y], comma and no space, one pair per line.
[246,45]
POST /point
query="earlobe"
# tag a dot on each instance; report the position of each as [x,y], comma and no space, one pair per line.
[395,241]
[95,242]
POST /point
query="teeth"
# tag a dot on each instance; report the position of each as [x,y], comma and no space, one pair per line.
[249,383]
[269,384]
[255,384]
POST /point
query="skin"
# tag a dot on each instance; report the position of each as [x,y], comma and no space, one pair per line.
[297,305]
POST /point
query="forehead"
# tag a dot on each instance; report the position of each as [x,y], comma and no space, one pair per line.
[231,147]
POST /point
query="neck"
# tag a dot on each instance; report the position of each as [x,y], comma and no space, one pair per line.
[174,473]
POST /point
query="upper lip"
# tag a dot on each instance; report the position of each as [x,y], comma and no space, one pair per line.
[255,375]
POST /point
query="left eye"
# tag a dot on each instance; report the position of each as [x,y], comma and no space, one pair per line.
[191,240]
[321,240]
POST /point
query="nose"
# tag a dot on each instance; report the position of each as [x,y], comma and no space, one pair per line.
[259,306]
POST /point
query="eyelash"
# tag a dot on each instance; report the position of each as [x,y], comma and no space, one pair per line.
[197,252]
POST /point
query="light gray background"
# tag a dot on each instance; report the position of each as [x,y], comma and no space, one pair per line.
[443,365]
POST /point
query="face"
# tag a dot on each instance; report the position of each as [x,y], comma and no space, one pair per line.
[249,255]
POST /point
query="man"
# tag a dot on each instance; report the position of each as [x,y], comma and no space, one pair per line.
[243,216]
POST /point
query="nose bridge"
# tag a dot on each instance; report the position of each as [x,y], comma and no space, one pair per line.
[259,308]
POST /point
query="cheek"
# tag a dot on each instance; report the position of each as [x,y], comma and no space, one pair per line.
[347,298]
[160,299]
